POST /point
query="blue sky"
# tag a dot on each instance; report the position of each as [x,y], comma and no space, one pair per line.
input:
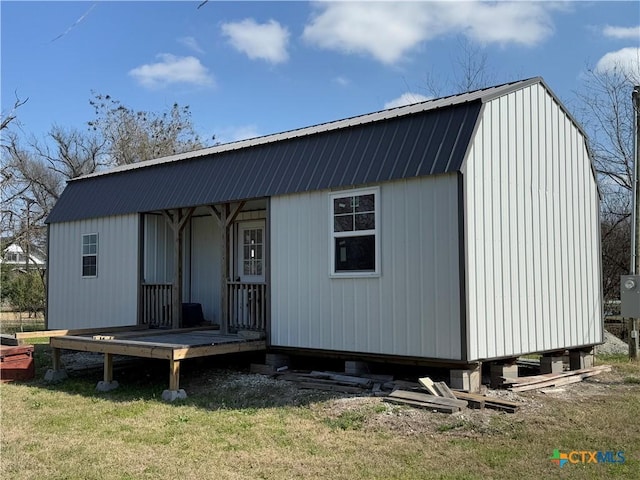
[254,68]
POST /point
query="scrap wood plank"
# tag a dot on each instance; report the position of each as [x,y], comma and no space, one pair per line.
[559,380]
[332,387]
[346,379]
[550,376]
[475,401]
[428,384]
[427,398]
[378,377]
[305,378]
[444,390]
[429,406]
[482,401]
[406,385]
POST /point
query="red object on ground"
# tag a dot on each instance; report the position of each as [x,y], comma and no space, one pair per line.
[16,363]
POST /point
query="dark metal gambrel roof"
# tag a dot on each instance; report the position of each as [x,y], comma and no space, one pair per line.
[421,139]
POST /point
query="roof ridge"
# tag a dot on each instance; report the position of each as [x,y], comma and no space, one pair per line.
[482,95]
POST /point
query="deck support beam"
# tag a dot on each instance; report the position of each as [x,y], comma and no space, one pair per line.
[174,374]
[108,367]
[174,392]
[57,373]
[108,383]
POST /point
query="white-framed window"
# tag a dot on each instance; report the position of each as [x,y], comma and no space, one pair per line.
[90,255]
[354,238]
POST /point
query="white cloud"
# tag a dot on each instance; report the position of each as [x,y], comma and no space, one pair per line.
[191,43]
[384,30]
[387,31]
[342,81]
[625,61]
[406,98]
[235,134]
[501,22]
[172,69]
[621,32]
[265,41]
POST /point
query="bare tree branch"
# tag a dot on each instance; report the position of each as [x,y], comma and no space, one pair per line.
[11,116]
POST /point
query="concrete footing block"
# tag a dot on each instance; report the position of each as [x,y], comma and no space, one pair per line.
[468,380]
[549,364]
[173,395]
[55,376]
[500,371]
[103,386]
[579,359]
[277,360]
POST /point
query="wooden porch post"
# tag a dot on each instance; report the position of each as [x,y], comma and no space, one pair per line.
[177,220]
[224,307]
[225,217]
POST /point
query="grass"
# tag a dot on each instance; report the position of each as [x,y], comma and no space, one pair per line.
[235,428]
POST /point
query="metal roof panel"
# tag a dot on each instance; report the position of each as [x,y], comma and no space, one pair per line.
[420,141]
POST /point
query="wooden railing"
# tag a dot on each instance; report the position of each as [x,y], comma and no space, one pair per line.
[156,304]
[247,304]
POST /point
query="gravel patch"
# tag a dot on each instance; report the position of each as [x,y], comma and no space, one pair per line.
[612,346]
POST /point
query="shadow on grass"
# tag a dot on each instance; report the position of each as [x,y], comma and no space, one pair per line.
[212,383]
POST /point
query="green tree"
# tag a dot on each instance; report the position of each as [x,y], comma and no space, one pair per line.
[24,291]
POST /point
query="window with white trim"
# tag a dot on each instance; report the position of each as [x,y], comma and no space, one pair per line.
[90,255]
[354,232]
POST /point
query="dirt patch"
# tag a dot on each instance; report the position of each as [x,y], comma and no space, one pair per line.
[370,413]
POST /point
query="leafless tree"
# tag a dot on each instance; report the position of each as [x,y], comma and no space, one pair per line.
[607,114]
[34,175]
[10,116]
[134,136]
[471,71]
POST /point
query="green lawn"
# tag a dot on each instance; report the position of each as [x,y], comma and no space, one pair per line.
[235,425]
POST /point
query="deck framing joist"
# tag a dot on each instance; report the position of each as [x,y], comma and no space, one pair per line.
[117,343]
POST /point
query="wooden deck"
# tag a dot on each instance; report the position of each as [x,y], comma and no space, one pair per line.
[172,345]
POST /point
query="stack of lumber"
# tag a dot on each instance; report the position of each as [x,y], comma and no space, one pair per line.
[473,400]
[335,381]
[442,399]
[426,400]
[427,394]
[483,401]
[523,384]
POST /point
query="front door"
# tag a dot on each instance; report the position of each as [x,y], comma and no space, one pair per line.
[251,251]
[247,307]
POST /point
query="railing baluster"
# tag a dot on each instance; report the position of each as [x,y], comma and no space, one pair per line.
[247,306]
[156,304]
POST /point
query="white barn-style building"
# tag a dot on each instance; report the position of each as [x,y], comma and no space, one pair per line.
[459,230]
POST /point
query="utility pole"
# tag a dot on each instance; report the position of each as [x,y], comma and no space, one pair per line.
[635,240]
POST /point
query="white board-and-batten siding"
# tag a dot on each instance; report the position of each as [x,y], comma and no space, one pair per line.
[110,298]
[201,261]
[532,230]
[411,309]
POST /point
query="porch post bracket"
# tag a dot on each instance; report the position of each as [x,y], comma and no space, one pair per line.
[234,213]
[215,213]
